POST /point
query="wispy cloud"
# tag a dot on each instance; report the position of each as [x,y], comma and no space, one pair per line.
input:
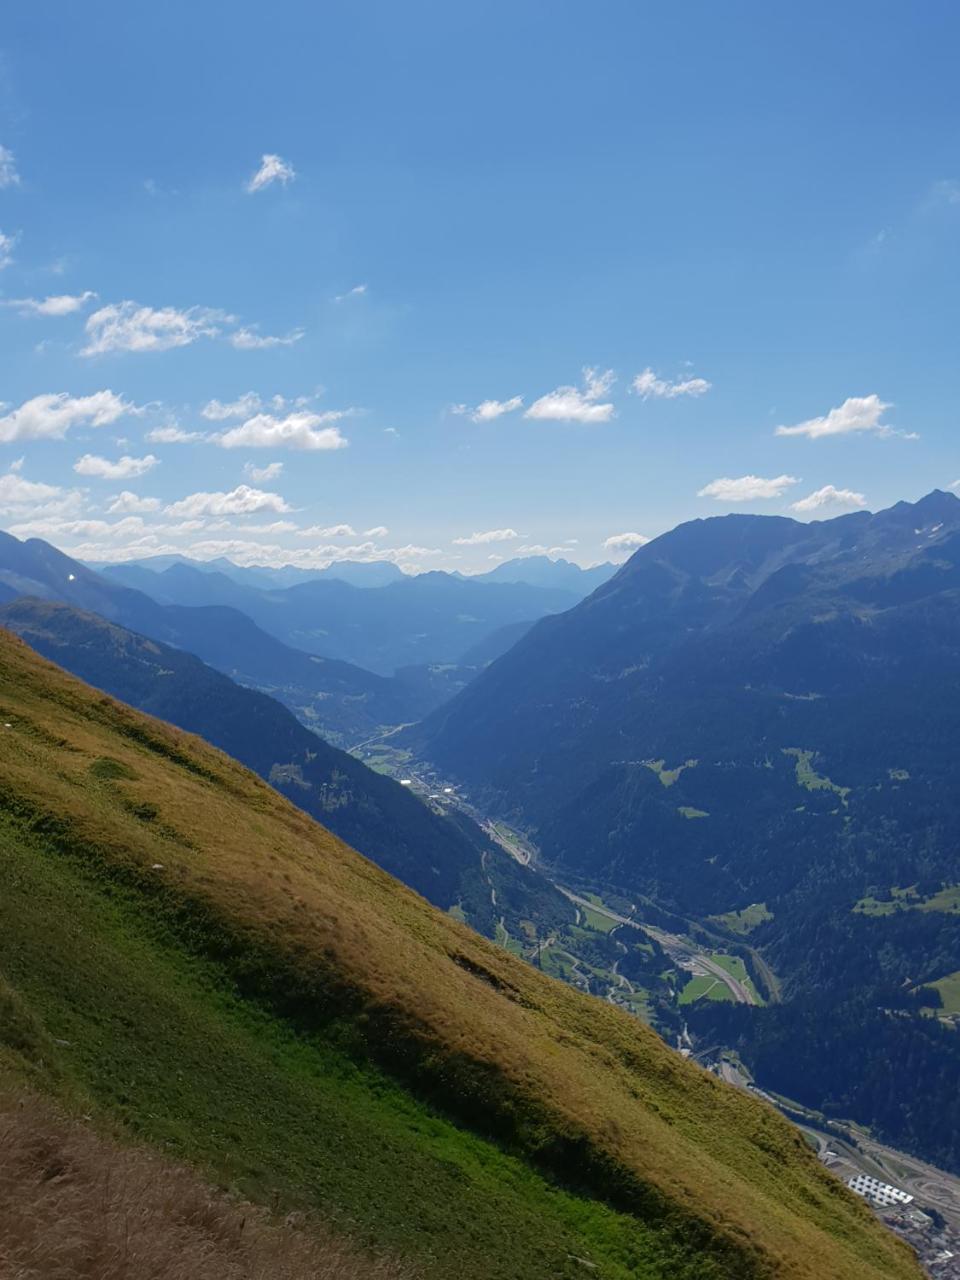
[7,243]
[125,468]
[357,291]
[856,414]
[250,340]
[330,531]
[173,435]
[489,410]
[62,304]
[829,497]
[747,488]
[128,326]
[489,535]
[262,475]
[649,387]
[238,502]
[571,404]
[307,431]
[51,416]
[9,176]
[378,531]
[218,411]
[272,169]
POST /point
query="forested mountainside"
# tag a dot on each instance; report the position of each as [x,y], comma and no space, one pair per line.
[189,957]
[759,711]
[448,859]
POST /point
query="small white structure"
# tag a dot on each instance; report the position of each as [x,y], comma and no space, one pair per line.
[879,1193]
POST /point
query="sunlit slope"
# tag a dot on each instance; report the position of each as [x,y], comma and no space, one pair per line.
[187,951]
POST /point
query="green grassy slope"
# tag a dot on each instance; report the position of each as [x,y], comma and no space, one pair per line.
[185,953]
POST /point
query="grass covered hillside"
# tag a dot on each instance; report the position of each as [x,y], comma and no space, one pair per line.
[188,958]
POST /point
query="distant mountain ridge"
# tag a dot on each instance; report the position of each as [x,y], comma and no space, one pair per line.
[430,618]
[336,698]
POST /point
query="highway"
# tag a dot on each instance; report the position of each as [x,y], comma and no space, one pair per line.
[681,950]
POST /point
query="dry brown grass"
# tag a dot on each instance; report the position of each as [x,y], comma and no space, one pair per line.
[75,1206]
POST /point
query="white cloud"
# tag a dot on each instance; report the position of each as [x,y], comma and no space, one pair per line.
[828,497]
[648,386]
[856,414]
[173,435]
[259,475]
[301,430]
[18,465]
[127,326]
[569,404]
[357,291]
[243,406]
[625,542]
[61,304]
[272,169]
[125,468]
[241,501]
[378,531]
[332,531]
[50,417]
[6,249]
[9,177]
[489,410]
[490,535]
[15,492]
[248,340]
[747,488]
[127,503]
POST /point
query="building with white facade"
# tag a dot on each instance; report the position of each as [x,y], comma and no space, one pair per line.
[879,1193]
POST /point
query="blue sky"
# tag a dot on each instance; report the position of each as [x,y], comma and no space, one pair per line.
[739,217]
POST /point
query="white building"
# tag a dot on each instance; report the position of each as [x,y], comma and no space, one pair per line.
[880,1193]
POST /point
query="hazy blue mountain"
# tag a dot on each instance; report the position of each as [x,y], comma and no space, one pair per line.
[542,571]
[447,859]
[338,699]
[433,618]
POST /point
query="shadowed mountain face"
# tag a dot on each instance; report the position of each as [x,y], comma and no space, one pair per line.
[746,645]
[338,699]
[757,712]
[428,619]
[449,860]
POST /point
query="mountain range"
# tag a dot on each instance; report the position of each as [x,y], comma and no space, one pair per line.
[189,959]
[339,699]
[432,618]
[755,715]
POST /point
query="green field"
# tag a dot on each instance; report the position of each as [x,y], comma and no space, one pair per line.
[949,988]
[807,776]
[744,921]
[669,776]
[946,900]
[735,966]
[704,987]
